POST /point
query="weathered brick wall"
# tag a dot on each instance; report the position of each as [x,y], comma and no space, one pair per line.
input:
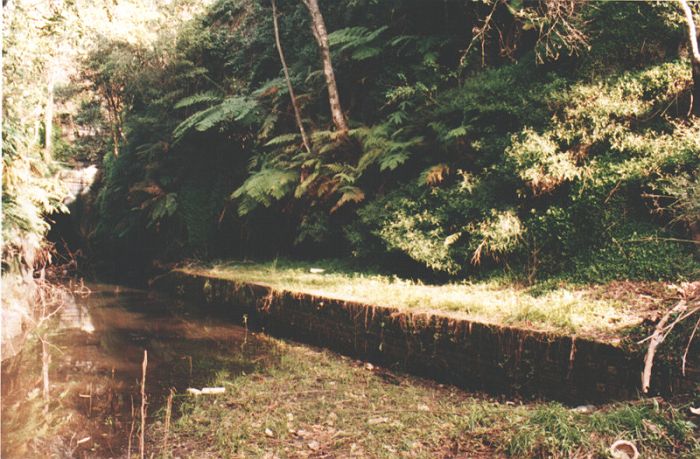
[472,355]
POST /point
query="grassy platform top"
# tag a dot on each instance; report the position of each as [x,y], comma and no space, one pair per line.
[604,312]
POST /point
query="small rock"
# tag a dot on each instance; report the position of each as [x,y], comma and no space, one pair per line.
[369,366]
[377,420]
[584,409]
[695,411]
[269,433]
[653,428]
[313,445]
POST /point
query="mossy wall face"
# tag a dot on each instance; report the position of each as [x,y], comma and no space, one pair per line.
[472,355]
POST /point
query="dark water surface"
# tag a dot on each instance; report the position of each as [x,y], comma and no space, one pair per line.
[97,353]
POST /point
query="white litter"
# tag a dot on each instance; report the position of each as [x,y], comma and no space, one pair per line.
[206,390]
[213,390]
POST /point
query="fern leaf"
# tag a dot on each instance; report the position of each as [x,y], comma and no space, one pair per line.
[350,194]
[284,139]
[197,99]
[392,160]
[263,188]
[231,109]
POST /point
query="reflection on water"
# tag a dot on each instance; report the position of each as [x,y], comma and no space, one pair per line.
[96,367]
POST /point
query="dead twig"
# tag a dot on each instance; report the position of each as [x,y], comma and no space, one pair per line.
[131,431]
[142,435]
[168,414]
[690,341]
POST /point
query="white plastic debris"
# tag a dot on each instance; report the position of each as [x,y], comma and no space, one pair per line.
[206,390]
[213,390]
[317,271]
[623,449]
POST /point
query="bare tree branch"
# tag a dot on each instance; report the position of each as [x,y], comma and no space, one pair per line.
[295,105]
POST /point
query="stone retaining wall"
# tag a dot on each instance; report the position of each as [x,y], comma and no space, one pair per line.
[472,355]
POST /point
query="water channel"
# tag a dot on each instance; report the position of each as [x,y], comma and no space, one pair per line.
[97,353]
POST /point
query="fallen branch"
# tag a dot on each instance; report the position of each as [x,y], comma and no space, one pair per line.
[658,337]
[687,306]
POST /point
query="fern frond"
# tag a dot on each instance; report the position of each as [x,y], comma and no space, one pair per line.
[231,109]
[392,160]
[197,99]
[284,139]
[350,194]
[359,41]
[276,84]
[263,188]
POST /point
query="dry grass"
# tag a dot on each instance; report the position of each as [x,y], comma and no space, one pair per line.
[583,311]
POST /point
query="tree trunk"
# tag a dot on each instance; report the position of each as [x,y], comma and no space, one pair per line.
[48,122]
[318,27]
[695,108]
[297,111]
[694,56]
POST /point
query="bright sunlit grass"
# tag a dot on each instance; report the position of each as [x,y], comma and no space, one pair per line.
[564,309]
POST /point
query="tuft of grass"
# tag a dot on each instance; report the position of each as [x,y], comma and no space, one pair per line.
[560,309]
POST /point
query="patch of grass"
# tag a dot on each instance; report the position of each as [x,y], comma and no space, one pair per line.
[559,309]
[316,403]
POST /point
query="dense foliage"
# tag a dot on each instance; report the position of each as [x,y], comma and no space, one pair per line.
[548,147]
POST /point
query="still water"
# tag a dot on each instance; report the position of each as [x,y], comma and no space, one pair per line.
[97,350]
